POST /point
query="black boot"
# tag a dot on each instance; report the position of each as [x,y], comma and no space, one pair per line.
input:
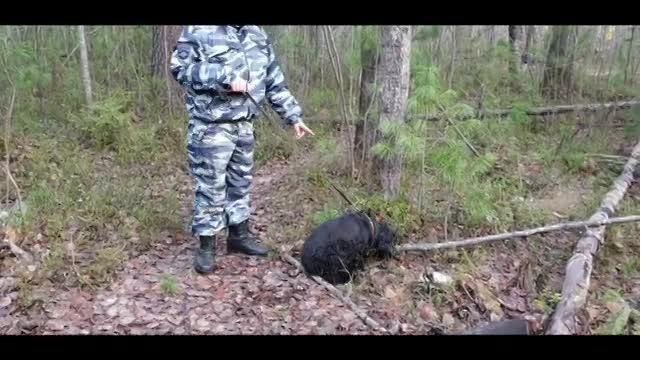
[240,241]
[205,259]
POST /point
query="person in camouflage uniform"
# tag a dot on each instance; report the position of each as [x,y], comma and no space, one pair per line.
[218,66]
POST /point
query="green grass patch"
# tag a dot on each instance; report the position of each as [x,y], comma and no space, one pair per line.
[168,284]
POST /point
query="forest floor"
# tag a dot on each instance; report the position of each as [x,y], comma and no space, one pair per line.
[157,292]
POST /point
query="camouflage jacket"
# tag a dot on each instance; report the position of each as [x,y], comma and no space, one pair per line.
[208,58]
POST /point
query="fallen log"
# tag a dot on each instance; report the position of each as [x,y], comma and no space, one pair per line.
[346,300]
[553,110]
[614,157]
[534,111]
[516,234]
[578,270]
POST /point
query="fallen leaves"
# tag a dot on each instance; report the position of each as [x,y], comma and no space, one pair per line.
[109,301]
[485,299]
[55,325]
[389,292]
[112,312]
[9,235]
[126,318]
[5,301]
[448,320]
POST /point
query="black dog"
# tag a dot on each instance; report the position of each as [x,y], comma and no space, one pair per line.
[339,247]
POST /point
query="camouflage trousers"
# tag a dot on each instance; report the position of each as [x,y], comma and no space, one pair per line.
[221,158]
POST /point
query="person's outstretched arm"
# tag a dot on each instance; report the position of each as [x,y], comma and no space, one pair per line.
[280,97]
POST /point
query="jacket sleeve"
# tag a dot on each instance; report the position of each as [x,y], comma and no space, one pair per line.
[192,68]
[278,93]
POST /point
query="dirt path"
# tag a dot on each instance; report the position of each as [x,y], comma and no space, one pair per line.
[246,295]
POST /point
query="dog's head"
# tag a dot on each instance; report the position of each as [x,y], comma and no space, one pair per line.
[386,239]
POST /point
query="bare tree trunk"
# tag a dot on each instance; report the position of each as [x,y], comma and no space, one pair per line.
[515,38]
[575,71]
[308,36]
[319,42]
[612,57]
[345,107]
[84,66]
[452,62]
[630,46]
[157,50]
[350,76]
[365,122]
[601,54]
[394,74]
[578,270]
[164,40]
[634,71]
[437,53]
[170,34]
[526,58]
[558,76]
[9,177]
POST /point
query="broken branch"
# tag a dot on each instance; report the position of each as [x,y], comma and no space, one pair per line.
[13,182]
[17,250]
[460,133]
[578,270]
[10,111]
[607,156]
[346,300]
[517,234]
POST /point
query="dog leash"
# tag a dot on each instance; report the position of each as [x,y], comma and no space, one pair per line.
[371,223]
[263,111]
[272,121]
[342,194]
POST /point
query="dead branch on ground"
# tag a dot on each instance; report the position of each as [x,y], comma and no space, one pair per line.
[516,234]
[534,111]
[578,270]
[10,178]
[346,300]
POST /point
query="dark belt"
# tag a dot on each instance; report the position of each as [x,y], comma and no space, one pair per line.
[248,119]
